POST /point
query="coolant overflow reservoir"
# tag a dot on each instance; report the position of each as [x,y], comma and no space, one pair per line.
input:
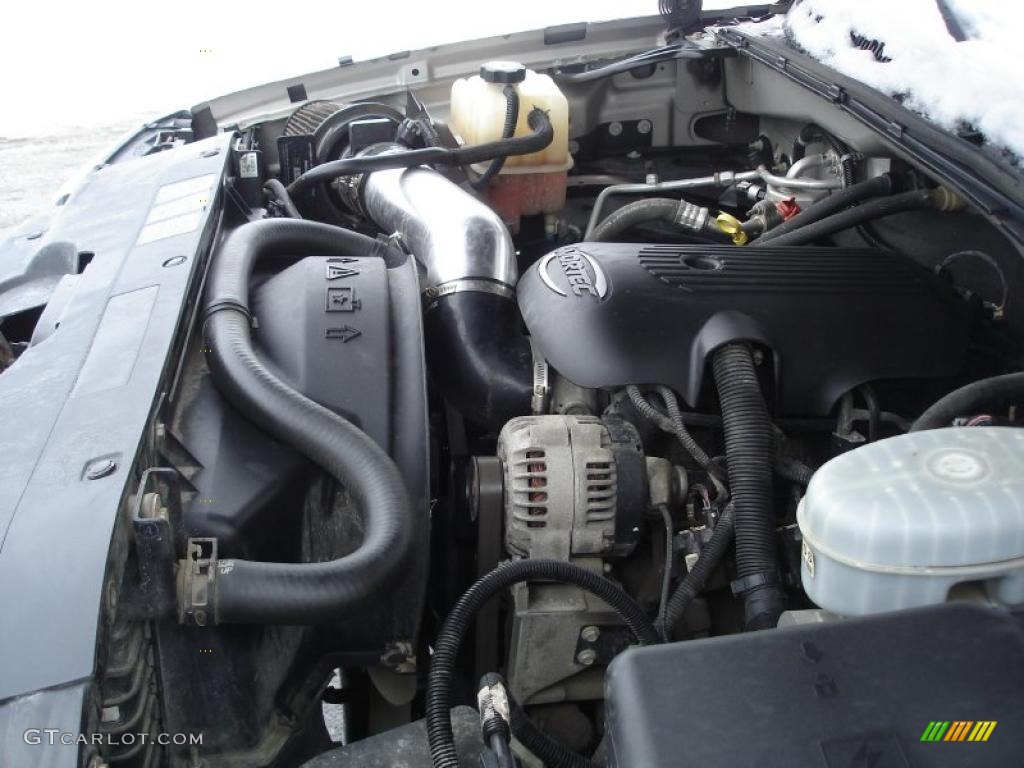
[527,184]
[902,522]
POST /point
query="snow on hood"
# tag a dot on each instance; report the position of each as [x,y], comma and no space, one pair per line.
[976,81]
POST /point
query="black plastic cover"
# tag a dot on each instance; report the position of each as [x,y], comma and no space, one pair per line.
[847,694]
[503,72]
[324,323]
[611,314]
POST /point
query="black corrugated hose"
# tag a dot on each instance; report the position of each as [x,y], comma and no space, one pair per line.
[750,454]
[301,593]
[697,578]
[460,618]
[540,136]
[673,423]
[507,132]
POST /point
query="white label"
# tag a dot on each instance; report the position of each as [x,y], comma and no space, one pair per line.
[808,555]
[248,167]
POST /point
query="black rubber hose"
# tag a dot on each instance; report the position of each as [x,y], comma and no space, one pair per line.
[507,132]
[301,593]
[977,397]
[868,211]
[540,137]
[480,359]
[837,201]
[750,454]
[279,194]
[460,618]
[640,212]
[695,581]
[793,469]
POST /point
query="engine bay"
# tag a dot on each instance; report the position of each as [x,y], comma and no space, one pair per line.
[616,400]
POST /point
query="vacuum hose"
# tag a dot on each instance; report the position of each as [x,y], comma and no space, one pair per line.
[868,211]
[242,591]
[837,201]
[459,620]
[541,135]
[697,578]
[507,132]
[750,454]
[973,398]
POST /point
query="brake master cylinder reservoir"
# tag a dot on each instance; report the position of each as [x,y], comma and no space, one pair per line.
[915,520]
[527,184]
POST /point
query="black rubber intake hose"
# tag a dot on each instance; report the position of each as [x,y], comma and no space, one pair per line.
[539,138]
[301,593]
[695,581]
[507,132]
[837,201]
[482,363]
[977,397]
[750,455]
[868,211]
[460,619]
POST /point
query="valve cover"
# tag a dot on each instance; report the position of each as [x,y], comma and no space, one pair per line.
[611,314]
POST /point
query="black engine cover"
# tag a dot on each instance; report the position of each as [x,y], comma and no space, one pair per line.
[611,314]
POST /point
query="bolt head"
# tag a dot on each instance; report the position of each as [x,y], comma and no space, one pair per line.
[615,129]
[101,468]
[586,657]
[590,634]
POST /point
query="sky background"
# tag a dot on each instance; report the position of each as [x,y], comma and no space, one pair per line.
[79,75]
[87,63]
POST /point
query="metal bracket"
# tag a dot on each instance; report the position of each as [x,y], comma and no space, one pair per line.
[150,594]
[195,581]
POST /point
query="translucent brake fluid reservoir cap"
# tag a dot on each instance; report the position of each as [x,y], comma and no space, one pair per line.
[898,522]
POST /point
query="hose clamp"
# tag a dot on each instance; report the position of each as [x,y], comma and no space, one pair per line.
[196,575]
[541,381]
[692,216]
[754,581]
[432,294]
[232,304]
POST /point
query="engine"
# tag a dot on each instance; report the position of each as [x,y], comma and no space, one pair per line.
[455,423]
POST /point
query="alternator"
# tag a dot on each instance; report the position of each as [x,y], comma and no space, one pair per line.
[575,489]
[574,486]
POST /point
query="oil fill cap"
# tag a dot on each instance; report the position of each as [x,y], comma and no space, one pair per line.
[503,72]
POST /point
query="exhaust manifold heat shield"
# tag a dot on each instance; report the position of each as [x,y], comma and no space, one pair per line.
[611,314]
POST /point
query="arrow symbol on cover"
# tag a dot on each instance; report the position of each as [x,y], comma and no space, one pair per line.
[335,272]
[345,334]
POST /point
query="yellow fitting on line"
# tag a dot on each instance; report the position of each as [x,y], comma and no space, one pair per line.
[733,227]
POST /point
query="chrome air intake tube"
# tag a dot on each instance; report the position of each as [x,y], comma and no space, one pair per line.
[476,351]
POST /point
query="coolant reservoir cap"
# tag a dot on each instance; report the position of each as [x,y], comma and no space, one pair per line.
[503,72]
